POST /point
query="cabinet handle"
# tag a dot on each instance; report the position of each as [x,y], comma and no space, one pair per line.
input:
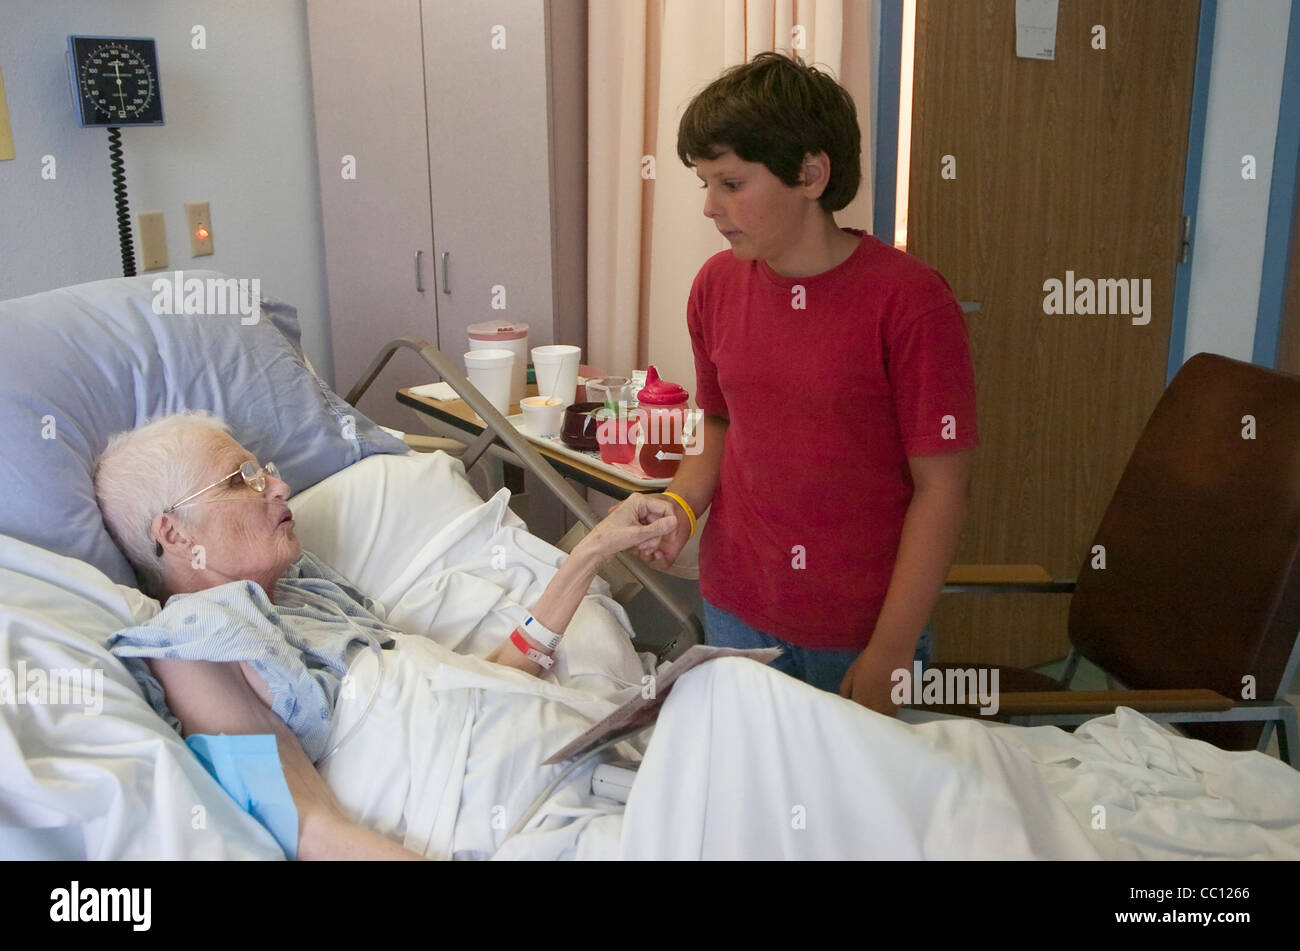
[419,281]
[446,288]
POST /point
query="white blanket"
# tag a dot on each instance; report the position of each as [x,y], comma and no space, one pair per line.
[747,763]
[1143,792]
[448,759]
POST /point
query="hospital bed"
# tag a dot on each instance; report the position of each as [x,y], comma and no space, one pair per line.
[88,770]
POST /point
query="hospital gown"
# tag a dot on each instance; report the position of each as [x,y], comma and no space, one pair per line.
[301,645]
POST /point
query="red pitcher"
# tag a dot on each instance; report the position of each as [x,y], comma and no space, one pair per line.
[664,407]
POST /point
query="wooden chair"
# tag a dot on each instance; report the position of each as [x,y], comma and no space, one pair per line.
[1197,607]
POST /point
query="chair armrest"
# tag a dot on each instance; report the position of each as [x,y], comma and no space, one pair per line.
[1101,702]
[1004,579]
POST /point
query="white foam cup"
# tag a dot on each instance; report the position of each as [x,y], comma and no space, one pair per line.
[490,372]
[556,367]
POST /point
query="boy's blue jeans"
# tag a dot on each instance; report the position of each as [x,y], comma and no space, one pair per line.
[821,668]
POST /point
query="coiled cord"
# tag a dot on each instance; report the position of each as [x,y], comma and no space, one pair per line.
[120,200]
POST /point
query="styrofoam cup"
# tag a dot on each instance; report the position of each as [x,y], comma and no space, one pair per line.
[490,371]
[556,367]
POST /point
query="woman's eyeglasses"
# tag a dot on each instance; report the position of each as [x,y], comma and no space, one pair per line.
[254,477]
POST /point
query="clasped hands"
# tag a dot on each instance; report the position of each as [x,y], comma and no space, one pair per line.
[639,521]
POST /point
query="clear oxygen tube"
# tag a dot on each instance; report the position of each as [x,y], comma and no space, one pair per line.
[374,691]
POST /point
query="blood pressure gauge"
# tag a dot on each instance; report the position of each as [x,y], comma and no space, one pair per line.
[115,80]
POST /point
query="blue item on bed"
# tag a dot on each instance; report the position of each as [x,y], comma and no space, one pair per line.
[248,767]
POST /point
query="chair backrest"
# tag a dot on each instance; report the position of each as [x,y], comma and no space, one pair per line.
[1201,586]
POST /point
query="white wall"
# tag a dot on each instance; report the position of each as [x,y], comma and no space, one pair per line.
[1245,92]
[238,134]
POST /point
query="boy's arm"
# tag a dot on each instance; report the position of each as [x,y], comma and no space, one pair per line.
[931,531]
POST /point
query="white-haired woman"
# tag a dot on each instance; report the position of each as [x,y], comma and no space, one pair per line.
[256,634]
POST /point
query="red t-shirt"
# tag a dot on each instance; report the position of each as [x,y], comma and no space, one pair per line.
[826,403]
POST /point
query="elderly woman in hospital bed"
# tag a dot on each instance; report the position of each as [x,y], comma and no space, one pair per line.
[412,749]
[265,642]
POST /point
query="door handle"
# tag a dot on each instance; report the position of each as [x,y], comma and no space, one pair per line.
[446,287]
[971,306]
[419,281]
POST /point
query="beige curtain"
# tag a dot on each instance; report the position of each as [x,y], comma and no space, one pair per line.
[647,237]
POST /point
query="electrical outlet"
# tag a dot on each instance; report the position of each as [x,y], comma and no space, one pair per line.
[153,240]
[200,222]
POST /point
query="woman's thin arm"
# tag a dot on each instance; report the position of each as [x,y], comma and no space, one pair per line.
[637,519]
[211,698]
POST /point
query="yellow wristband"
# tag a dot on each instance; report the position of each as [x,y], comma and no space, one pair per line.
[686,506]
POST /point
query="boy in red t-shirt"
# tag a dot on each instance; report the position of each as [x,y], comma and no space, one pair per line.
[835,377]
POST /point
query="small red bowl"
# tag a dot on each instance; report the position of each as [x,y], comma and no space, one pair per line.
[579,429]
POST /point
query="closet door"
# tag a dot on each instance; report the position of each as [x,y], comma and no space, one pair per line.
[489,165]
[367,64]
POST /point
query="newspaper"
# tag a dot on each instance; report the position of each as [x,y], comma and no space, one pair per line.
[642,710]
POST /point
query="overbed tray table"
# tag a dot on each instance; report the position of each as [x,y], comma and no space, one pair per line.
[456,416]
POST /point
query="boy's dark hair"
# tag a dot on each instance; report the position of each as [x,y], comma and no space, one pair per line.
[776,110]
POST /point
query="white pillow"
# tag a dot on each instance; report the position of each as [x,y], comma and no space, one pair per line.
[371,518]
[98,775]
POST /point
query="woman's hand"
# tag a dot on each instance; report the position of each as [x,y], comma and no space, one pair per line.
[636,522]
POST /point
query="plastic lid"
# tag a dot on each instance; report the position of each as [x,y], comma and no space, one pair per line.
[498,330]
[659,392]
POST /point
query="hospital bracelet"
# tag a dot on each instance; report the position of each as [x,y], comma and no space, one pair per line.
[532,653]
[541,634]
[690,514]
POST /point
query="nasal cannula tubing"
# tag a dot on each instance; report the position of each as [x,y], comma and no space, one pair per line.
[374,691]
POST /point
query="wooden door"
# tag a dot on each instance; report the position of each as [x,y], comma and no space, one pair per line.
[1072,165]
[367,69]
